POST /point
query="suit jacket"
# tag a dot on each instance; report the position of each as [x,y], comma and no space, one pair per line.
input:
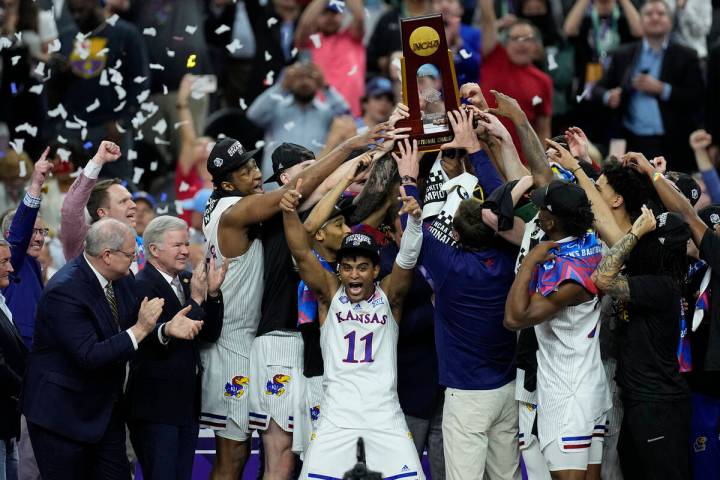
[76,368]
[13,354]
[164,385]
[681,113]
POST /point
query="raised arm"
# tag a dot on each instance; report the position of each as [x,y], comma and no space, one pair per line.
[357,24]
[529,141]
[188,135]
[501,144]
[633,17]
[307,25]
[488,25]
[606,276]
[323,283]
[700,140]
[574,18]
[72,214]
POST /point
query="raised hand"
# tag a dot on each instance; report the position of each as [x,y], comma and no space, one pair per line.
[370,136]
[183,327]
[700,140]
[401,111]
[407,162]
[107,152]
[507,107]
[216,277]
[638,162]
[387,145]
[148,315]
[578,142]
[409,204]
[198,283]
[645,223]
[562,156]
[42,168]
[493,126]
[660,164]
[461,122]
[472,93]
[290,201]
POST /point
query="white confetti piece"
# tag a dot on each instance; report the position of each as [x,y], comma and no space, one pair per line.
[183,187]
[150,32]
[112,20]
[104,79]
[536,101]
[177,125]
[103,52]
[269,78]
[465,54]
[170,53]
[294,52]
[260,144]
[22,173]
[160,126]
[156,66]
[289,125]
[190,29]
[6,43]
[119,107]
[142,96]
[234,46]
[93,106]
[62,139]
[583,95]
[165,89]
[132,155]
[243,105]
[80,121]
[63,154]
[179,207]
[139,137]
[139,79]
[26,127]
[120,128]
[315,39]
[58,111]
[40,69]
[36,89]
[552,63]
[54,46]
[271,21]
[137,174]
[268,57]
[162,210]
[160,141]
[18,145]
[353,71]
[18,35]
[115,76]
[222,29]
[83,134]
[76,173]
[14,60]
[121,93]
[72,125]
[153,165]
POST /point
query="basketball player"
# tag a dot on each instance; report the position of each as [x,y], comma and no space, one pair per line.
[553,292]
[231,225]
[358,336]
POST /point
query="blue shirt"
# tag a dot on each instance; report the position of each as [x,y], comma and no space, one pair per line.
[643,114]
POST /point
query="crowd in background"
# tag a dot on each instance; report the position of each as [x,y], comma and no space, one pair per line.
[115,108]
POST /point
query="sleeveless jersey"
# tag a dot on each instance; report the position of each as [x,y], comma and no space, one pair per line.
[359,348]
[243,285]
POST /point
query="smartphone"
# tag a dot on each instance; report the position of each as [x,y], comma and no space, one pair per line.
[205,84]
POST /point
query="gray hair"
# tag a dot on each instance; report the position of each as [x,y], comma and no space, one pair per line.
[7,221]
[106,233]
[155,231]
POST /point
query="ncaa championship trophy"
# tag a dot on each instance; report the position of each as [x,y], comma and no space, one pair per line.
[429,86]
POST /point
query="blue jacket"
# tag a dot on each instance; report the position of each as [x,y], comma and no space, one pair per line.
[26,285]
[76,368]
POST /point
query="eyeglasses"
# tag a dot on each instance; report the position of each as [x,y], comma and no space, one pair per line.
[129,256]
[42,231]
[522,39]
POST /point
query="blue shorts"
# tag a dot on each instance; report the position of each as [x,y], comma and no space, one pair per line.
[704,437]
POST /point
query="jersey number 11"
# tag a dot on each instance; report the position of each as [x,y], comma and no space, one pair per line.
[367,339]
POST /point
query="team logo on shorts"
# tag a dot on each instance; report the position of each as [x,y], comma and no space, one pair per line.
[315,413]
[236,386]
[700,444]
[276,385]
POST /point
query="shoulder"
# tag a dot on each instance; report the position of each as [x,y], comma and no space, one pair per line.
[67,277]
[680,50]
[626,51]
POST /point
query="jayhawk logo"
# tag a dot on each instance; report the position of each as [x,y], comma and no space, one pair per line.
[700,444]
[88,58]
[315,413]
[276,386]
[236,386]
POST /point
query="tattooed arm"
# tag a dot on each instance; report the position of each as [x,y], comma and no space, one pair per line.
[606,276]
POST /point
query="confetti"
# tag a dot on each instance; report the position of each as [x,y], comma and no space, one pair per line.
[93,106]
[83,134]
[119,128]
[26,127]
[465,54]
[260,144]
[271,21]
[289,125]
[160,127]
[121,93]
[177,125]
[268,57]
[183,187]
[153,165]
[112,19]
[132,154]
[139,79]
[142,96]
[179,207]
[156,66]
[243,105]
[18,145]
[178,39]
[104,79]
[340,4]
[352,71]
[170,53]
[222,29]
[6,43]
[269,78]
[61,139]
[58,111]
[191,60]
[22,169]
[76,173]
[163,197]
[18,35]
[72,125]
[120,106]
[294,52]
[103,52]
[15,59]
[190,29]
[162,210]
[40,69]
[138,173]
[315,39]
[536,101]
[13,88]
[115,77]
[139,137]
[54,46]
[234,46]
[37,89]
[552,63]
[80,121]
[160,141]
[63,154]
[165,89]
[87,145]
[583,95]
[150,32]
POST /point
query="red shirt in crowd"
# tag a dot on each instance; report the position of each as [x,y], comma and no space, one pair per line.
[186,186]
[523,83]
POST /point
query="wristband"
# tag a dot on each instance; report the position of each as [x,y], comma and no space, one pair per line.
[573,171]
[407,179]
[655,176]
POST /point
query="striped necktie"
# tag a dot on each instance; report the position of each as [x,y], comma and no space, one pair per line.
[110,295]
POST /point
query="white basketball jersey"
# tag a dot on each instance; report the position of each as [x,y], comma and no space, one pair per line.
[571,384]
[242,288]
[359,348]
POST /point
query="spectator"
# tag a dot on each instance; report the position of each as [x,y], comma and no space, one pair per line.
[12,368]
[462,40]
[700,141]
[64,158]
[290,111]
[83,81]
[12,165]
[339,53]
[144,210]
[693,22]
[530,87]
[163,394]
[82,345]
[26,234]
[377,103]
[656,88]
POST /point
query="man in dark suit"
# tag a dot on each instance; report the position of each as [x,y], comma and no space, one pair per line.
[656,87]
[12,365]
[89,324]
[163,394]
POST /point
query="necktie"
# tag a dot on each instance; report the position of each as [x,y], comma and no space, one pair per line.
[110,295]
[178,290]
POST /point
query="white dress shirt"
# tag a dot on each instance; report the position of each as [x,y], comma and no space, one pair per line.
[5,309]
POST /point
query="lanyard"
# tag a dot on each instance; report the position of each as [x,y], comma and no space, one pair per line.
[604,35]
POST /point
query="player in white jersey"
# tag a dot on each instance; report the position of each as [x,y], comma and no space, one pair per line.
[231,224]
[358,335]
[553,292]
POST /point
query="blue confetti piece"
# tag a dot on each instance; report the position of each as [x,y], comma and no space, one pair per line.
[163,197]
[87,145]
[13,88]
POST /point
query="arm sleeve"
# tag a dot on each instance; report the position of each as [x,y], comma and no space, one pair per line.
[410,244]
[72,214]
[712,183]
[487,176]
[21,230]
